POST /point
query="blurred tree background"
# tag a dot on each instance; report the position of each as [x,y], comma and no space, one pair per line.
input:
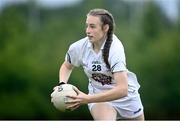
[34,40]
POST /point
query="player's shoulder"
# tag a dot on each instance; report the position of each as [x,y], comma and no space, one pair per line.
[116,44]
[116,52]
[80,43]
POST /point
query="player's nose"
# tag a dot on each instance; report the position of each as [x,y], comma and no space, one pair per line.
[88,31]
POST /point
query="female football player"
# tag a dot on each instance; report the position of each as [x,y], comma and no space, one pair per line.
[113,89]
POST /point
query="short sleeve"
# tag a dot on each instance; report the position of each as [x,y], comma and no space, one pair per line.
[73,55]
[118,65]
[117,59]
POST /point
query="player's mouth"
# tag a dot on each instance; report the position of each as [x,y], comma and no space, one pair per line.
[90,37]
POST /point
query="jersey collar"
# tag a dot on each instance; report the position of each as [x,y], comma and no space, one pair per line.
[91,46]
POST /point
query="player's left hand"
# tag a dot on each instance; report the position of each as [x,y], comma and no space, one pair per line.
[78,100]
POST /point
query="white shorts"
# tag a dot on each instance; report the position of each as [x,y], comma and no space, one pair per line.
[128,108]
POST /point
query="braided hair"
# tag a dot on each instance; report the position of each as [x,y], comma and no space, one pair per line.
[106,19]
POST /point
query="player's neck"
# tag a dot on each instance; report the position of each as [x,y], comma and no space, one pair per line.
[97,46]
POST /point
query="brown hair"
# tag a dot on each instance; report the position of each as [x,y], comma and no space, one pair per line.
[106,18]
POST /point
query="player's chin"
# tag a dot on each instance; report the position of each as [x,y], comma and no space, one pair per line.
[91,40]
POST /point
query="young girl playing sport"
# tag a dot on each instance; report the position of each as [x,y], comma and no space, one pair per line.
[113,89]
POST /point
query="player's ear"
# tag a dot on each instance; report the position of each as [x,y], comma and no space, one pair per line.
[106,28]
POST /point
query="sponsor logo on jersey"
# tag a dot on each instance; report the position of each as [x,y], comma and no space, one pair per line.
[101,78]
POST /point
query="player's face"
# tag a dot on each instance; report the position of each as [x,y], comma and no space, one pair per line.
[94,29]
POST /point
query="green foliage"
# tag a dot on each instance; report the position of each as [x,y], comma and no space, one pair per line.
[33,43]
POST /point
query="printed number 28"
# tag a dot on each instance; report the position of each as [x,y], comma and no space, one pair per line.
[96,68]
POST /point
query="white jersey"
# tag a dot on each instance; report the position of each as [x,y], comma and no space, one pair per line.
[81,53]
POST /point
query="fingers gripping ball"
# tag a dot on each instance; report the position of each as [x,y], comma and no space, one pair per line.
[58,96]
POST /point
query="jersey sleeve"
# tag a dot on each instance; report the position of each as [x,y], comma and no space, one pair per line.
[118,59]
[73,55]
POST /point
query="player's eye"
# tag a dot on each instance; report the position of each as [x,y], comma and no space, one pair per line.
[92,26]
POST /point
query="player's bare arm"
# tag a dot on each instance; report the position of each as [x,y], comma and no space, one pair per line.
[65,71]
[120,90]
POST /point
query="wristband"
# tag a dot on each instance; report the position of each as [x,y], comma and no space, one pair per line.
[60,83]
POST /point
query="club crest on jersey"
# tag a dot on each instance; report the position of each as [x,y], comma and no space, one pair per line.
[101,78]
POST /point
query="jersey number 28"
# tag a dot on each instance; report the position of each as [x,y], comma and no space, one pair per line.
[96,67]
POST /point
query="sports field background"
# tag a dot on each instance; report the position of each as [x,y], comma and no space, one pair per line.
[34,40]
